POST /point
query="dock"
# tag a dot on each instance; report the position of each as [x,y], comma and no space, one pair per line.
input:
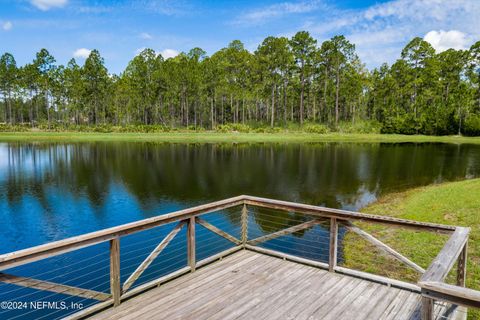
[250,285]
[250,280]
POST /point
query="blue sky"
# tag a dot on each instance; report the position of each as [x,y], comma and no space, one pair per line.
[118,29]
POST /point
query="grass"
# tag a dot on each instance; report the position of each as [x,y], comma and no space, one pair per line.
[453,203]
[216,137]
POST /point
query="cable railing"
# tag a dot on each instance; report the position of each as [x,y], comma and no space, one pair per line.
[159,249]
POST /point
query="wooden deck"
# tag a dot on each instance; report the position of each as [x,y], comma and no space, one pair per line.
[249,285]
[252,282]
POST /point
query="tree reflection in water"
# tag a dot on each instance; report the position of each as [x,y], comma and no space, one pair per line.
[104,184]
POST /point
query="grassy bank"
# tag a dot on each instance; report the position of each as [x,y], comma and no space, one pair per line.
[212,137]
[454,203]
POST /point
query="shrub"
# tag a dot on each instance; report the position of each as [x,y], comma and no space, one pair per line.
[315,128]
[240,127]
[267,130]
[360,127]
[401,125]
[223,128]
[13,128]
[472,126]
[233,127]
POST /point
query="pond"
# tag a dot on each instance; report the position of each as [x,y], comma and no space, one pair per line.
[51,191]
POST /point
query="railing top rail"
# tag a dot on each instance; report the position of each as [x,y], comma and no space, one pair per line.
[32,254]
[453,294]
[346,215]
[446,258]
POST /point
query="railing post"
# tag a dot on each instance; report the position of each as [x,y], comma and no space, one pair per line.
[191,243]
[427,308]
[462,266]
[115,270]
[244,224]
[332,263]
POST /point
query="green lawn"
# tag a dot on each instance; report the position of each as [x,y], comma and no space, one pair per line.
[454,203]
[212,137]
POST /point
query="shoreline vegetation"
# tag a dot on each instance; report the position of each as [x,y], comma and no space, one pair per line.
[186,136]
[229,137]
[453,203]
[285,81]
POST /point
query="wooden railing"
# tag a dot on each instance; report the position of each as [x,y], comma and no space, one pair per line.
[431,286]
[432,281]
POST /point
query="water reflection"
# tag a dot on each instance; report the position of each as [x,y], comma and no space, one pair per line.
[59,190]
[52,191]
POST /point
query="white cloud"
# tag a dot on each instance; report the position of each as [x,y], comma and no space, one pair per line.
[262,15]
[145,36]
[164,7]
[45,5]
[420,9]
[82,53]
[169,53]
[385,36]
[444,40]
[382,30]
[7,25]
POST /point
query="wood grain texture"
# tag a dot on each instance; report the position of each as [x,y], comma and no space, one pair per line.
[53,287]
[427,308]
[444,261]
[333,247]
[216,230]
[191,251]
[462,266]
[115,289]
[174,276]
[151,257]
[244,219]
[346,215]
[450,293]
[249,285]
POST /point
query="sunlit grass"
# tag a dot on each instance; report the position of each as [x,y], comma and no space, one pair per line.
[453,203]
[216,137]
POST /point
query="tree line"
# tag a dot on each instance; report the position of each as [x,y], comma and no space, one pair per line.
[284,82]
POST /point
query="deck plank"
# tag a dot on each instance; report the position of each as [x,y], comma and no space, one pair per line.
[215,295]
[187,283]
[316,294]
[363,303]
[174,295]
[241,304]
[340,300]
[250,285]
[268,301]
[289,298]
[382,304]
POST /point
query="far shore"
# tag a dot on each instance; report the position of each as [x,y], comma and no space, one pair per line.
[230,137]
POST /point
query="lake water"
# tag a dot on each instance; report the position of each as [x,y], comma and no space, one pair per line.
[51,191]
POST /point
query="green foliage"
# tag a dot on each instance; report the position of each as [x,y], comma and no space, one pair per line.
[13,128]
[268,130]
[359,127]
[315,128]
[284,83]
[472,126]
[454,203]
[233,127]
[401,125]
